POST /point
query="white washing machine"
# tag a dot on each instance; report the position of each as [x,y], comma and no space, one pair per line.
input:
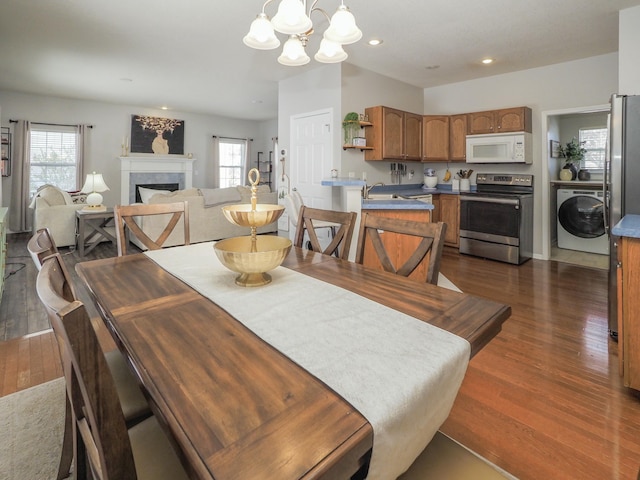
[581,221]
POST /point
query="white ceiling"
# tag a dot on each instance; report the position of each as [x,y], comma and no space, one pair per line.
[189,55]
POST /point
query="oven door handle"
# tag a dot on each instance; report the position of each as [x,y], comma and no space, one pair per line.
[502,201]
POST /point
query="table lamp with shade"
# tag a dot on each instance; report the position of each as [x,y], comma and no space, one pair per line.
[93,185]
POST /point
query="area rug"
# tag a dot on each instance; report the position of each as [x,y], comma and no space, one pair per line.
[31,429]
[444,458]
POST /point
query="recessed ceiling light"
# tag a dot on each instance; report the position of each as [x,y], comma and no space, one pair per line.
[374,42]
[432,67]
[164,107]
[487,61]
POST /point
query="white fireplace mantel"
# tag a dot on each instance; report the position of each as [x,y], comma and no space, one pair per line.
[153,164]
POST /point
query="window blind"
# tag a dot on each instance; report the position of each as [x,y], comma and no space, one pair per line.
[53,157]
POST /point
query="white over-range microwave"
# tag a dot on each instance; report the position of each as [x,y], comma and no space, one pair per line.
[499,148]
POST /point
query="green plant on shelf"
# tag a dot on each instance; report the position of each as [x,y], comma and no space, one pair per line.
[351,127]
[574,151]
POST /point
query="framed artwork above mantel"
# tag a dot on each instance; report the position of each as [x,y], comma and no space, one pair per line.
[157,135]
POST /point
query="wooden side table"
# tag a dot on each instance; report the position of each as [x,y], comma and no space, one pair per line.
[91,228]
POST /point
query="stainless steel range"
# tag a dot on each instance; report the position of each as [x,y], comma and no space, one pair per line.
[496,221]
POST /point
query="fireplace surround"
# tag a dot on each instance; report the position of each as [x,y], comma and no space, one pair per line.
[153,169]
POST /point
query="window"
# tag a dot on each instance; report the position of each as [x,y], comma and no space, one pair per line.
[595,143]
[53,158]
[232,160]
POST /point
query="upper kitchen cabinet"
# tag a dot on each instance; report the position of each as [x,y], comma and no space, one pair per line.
[500,121]
[435,138]
[444,138]
[458,138]
[394,135]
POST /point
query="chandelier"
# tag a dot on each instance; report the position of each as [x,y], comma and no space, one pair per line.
[292,19]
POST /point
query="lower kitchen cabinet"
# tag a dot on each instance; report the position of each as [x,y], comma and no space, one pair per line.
[398,247]
[447,210]
[628,308]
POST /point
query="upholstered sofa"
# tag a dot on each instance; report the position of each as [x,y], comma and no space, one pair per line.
[206,219]
[56,209]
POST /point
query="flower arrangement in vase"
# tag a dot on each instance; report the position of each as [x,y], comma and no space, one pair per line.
[573,152]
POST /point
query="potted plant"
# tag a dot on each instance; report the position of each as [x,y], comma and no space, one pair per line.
[573,153]
[351,127]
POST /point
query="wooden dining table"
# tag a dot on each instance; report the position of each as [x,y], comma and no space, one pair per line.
[234,406]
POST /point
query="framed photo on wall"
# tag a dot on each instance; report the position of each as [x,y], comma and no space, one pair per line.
[157,135]
[555,149]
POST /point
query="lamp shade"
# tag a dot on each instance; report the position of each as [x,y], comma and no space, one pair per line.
[92,185]
[293,53]
[330,52]
[343,28]
[261,35]
[291,18]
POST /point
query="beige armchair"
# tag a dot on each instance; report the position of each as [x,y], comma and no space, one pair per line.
[55,209]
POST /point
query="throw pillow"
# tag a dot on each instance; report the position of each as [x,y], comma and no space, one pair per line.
[147,193]
[78,198]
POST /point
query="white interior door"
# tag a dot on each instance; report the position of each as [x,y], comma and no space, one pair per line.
[311,158]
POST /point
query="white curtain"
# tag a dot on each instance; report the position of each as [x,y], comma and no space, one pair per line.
[20,215]
[215,165]
[247,160]
[82,141]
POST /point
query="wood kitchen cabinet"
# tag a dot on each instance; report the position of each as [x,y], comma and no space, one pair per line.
[394,135]
[399,247]
[516,119]
[446,209]
[435,138]
[444,138]
[628,308]
[458,138]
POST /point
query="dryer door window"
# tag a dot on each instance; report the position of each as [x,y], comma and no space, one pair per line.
[582,216]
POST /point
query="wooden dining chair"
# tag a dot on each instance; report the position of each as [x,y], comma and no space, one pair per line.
[134,405]
[40,246]
[403,247]
[344,224]
[104,447]
[125,217]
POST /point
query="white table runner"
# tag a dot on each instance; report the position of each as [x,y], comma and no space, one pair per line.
[402,374]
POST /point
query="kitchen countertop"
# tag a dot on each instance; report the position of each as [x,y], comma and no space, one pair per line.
[629,226]
[395,204]
[415,189]
[343,182]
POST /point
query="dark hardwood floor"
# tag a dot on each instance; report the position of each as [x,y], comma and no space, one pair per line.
[543,400]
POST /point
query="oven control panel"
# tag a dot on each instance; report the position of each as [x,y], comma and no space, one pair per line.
[504,179]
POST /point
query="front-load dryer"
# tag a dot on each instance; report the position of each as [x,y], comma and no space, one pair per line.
[581,221]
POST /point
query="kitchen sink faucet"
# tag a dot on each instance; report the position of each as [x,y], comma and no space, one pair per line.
[367,189]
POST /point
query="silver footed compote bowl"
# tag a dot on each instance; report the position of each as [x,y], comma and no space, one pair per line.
[253,256]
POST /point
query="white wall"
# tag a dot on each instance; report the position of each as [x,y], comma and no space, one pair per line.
[581,83]
[629,41]
[112,122]
[363,88]
[310,91]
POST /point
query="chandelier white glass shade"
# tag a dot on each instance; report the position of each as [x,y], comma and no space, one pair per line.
[292,19]
[293,53]
[93,185]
